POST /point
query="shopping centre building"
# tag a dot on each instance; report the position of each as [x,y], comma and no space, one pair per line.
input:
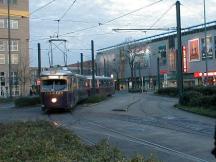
[114,60]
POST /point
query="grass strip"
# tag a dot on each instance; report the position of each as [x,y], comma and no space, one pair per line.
[93,99]
[45,142]
[198,110]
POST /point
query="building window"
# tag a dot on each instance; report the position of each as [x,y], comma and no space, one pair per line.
[15,91]
[14,59]
[14,78]
[2,23]
[2,79]
[2,45]
[14,24]
[14,45]
[2,59]
[13,2]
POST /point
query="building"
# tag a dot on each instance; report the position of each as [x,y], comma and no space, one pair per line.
[76,68]
[19,24]
[145,52]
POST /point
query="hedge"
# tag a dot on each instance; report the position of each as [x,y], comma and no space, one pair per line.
[27,101]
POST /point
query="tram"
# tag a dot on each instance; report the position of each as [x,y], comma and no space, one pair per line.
[62,89]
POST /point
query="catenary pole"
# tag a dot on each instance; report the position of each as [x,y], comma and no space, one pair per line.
[206,52]
[81,60]
[39,60]
[158,72]
[93,69]
[179,53]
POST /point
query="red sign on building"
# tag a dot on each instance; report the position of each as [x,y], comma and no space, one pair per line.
[185,64]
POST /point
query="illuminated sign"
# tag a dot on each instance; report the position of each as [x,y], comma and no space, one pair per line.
[163,71]
[209,47]
[200,74]
[184,54]
[194,50]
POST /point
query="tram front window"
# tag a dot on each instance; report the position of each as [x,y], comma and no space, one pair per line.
[54,85]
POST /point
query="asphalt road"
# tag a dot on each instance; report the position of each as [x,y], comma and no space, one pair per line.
[136,124]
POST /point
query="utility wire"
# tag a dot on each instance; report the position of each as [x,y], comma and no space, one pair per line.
[163,14]
[67,10]
[129,13]
[106,22]
[47,4]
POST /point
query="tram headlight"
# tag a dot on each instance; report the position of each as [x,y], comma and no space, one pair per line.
[54,100]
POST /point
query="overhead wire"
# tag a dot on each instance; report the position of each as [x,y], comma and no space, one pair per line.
[42,7]
[163,14]
[106,22]
[67,10]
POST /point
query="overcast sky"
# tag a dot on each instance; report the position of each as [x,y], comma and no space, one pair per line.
[92,13]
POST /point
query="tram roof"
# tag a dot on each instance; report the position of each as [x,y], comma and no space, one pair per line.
[56,72]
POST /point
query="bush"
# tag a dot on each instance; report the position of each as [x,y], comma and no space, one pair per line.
[197,99]
[191,98]
[27,101]
[171,91]
[5,100]
[208,91]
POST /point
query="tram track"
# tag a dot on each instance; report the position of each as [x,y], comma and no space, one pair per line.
[130,138]
[149,143]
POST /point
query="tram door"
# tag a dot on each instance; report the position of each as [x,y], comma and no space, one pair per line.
[2,84]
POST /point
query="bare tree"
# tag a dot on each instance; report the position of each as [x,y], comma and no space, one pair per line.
[133,52]
[23,75]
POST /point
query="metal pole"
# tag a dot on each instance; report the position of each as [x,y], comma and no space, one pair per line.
[206,52]
[93,70]
[51,55]
[158,72]
[39,60]
[104,67]
[142,83]
[9,51]
[96,69]
[179,53]
[81,57]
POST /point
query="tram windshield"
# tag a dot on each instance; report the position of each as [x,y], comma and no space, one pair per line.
[54,85]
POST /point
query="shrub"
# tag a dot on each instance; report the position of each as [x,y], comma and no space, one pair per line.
[191,98]
[27,101]
[171,91]
[5,100]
